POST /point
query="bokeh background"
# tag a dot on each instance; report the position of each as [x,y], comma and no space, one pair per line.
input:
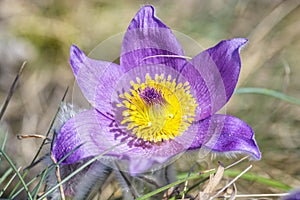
[41,32]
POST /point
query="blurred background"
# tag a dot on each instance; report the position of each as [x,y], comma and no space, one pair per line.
[41,32]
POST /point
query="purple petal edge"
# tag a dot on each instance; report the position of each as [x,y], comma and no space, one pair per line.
[146,39]
[294,195]
[213,75]
[77,57]
[97,79]
[230,68]
[145,18]
[226,134]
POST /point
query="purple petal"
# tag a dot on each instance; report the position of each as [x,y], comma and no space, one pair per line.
[77,133]
[96,133]
[149,41]
[294,195]
[226,134]
[213,75]
[96,79]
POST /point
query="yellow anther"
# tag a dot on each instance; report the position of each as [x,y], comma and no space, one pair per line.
[158,109]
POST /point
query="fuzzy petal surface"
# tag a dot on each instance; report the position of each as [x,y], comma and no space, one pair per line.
[96,133]
[226,134]
[149,41]
[96,79]
[213,75]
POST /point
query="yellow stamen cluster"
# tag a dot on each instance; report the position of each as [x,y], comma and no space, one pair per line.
[162,118]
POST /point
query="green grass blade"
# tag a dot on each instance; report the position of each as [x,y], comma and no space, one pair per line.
[4,142]
[259,179]
[7,184]
[159,190]
[183,178]
[35,191]
[17,172]
[5,175]
[18,184]
[14,194]
[46,171]
[196,185]
[268,92]
[11,91]
[77,171]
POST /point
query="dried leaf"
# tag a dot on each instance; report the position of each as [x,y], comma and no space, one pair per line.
[214,181]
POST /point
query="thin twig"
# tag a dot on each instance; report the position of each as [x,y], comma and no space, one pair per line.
[57,172]
[227,167]
[237,162]
[185,189]
[231,182]
[233,195]
[20,136]
[257,195]
[11,90]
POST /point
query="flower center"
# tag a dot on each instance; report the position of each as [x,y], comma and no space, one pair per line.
[157,109]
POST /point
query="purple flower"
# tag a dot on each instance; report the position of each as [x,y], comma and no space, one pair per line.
[155,104]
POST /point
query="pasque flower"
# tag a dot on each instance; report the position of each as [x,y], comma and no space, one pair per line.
[156,103]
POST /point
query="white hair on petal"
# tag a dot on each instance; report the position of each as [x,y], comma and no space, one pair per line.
[229,155]
[232,154]
[67,111]
[91,180]
[166,56]
[204,151]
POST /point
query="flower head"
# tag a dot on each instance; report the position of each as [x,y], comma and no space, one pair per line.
[155,104]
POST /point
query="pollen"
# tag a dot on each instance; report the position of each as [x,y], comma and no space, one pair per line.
[158,109]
